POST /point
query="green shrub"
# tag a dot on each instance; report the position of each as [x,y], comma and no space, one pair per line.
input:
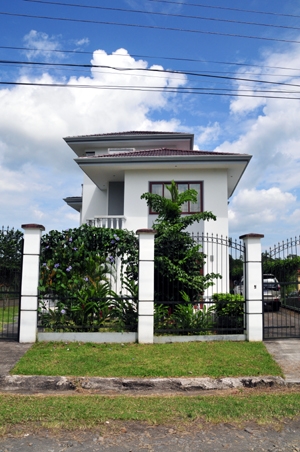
[230,312]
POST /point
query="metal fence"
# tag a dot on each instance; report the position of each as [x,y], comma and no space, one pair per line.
[281,290]
[194,285]
[11,248]
[90,314]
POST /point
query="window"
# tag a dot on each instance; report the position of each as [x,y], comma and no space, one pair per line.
[159,188]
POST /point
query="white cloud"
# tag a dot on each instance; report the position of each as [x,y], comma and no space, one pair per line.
[82,41]
[44,44]
[33,119]
[270,133]
[209,134]
[254,210]
[37,168]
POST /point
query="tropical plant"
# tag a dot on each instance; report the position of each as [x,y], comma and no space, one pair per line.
[185,319]
[77,268]
[230,311]
[125,307]
[179,260]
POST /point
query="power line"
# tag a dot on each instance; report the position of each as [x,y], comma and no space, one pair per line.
[152,27]
[226,8]
[155,76]
[160,77]
[191,60]
[151,89]
[130,69]
[162,14]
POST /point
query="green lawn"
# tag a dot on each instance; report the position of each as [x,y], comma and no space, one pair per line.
[211,359]
[86,412]
[7,315]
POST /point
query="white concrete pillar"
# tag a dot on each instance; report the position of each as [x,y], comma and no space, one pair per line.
[253,286]
[146,286]
[30,282]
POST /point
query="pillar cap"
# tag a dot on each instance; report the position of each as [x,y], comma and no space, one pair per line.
[146,231]
[252,235]
[33,226]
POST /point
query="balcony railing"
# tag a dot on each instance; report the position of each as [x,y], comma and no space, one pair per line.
[107,221]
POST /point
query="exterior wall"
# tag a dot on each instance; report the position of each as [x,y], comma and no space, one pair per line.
[94,200]
[135,208]
[214,197]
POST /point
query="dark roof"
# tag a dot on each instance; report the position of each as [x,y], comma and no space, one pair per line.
[138,132]
[158,153]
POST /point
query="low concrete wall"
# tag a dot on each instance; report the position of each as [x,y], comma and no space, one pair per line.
[118,338]
[98,338]
[220,337]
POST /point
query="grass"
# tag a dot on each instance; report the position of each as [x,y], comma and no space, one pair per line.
[202,359]
[85,412]
[7,315]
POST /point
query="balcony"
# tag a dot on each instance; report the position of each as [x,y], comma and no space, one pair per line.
[107,221]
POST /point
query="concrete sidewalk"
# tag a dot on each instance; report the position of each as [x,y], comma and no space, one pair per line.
[10,353]
[285,352]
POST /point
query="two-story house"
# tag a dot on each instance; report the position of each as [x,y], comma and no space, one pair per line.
[119,167]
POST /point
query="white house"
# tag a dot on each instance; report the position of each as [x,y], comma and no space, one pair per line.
[119,167]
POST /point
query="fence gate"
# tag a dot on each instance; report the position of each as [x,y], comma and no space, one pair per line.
[11,247]
[281,290]
[181,308]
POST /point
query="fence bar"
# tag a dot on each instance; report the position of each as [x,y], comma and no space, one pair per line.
[146,286]
[30,281]
[253,286]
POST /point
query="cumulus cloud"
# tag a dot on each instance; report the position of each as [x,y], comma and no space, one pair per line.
[269,130]
[37,168]
[33,119]
[259,210]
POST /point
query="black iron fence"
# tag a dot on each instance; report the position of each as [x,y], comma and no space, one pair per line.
[89,314]
[11,246]
[194,286]
[281,290]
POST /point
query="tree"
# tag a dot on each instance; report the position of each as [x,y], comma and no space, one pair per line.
[179,260]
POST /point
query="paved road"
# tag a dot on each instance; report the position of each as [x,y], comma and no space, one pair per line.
[135,437]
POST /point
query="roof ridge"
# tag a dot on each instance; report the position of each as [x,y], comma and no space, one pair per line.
[157,152]
[131,132]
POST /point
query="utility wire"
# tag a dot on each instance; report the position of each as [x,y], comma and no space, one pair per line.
[152,27]
[225,8]
[129,69]
[162,14]
[134,88]
[192,60]
[183,78]
[157,76]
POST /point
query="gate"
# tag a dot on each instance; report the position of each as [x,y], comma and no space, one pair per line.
[184,308]
[281,290]
[11,250]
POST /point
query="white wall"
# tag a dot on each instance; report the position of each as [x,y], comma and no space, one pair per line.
[214,197]
[94,200]
[135,208]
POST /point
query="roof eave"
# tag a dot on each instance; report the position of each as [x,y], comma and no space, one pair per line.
[234,158]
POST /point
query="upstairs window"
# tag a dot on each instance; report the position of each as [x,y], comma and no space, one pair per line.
[159,188]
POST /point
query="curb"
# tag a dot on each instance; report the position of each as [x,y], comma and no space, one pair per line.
[35,383]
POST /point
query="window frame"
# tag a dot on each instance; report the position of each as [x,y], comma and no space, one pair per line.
[179,182]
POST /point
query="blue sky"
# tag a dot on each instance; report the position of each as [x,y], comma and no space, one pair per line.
[36,166]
